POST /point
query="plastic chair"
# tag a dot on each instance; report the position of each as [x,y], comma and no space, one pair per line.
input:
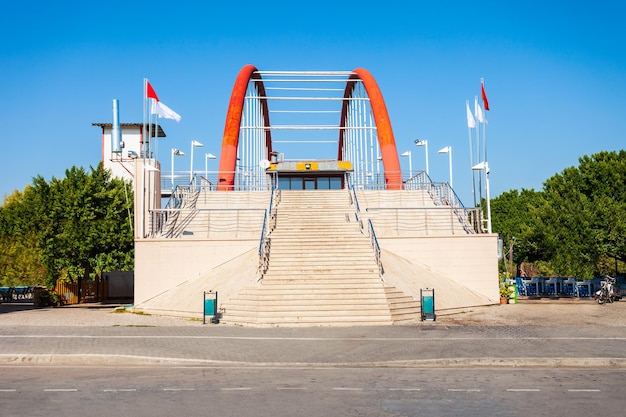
[521,286]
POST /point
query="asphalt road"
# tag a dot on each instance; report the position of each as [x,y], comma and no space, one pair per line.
[356,346]
[89,361]
[233,391]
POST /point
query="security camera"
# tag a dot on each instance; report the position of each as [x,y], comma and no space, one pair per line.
[132,154]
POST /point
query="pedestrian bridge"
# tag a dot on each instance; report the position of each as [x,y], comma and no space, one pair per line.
[309,220]
[277,116]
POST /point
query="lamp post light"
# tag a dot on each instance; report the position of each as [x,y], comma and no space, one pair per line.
[206,164]
[176,152]
[484,166]
[448,150]
[194,143]
[408,154]
[423,143]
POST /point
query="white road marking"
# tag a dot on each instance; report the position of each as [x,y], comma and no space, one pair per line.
[404,389]
[347,389]
[523,390]
[120,390]
[292,388]
[583,390]
[462,390]
[179,389]
[8,390]
[236,389]
[60,390]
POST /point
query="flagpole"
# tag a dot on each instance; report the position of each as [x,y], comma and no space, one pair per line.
[471,151]
[142,216]
[485,109]
[482,83]
[143,126]
[480,186]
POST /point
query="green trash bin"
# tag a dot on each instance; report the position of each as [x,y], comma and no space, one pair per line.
[210,307]
[427,304]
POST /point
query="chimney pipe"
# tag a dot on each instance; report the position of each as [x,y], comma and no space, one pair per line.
[116,135]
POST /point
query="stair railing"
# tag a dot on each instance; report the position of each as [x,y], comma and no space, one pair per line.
[354,201]
[269,224]
[376,247]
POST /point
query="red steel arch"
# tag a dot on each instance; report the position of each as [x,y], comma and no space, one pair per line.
[230,140]
[389,152]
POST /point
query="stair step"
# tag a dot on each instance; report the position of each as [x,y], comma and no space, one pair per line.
[322,270]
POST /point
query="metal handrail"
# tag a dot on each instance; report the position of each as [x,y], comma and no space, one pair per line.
[419,222]
[372,234]
[376,247]
[171,222]
[268,228]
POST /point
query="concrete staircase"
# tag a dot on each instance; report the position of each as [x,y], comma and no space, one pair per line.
[321,271]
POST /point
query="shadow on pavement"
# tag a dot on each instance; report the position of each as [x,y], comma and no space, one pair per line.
[15,307]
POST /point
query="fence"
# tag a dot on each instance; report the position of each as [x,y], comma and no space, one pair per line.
[89,291]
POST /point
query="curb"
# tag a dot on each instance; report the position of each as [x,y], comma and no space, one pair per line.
[132,360]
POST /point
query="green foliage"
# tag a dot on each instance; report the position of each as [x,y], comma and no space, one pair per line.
[68,228]
[575,226]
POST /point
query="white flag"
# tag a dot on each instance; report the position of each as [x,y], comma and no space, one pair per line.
[162,110]
[471,123]
[479,111]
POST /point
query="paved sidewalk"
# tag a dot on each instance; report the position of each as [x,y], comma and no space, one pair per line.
[532,334]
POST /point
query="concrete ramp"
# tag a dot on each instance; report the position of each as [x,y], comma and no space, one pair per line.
[186,299]
[410,276]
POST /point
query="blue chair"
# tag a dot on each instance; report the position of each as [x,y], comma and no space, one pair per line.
[536,285]
[584,288]
[521,286]
[554,286]
[570,287]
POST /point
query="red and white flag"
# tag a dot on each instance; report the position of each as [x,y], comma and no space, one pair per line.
[159,108]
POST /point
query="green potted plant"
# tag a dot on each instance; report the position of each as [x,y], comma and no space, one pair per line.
[505,293]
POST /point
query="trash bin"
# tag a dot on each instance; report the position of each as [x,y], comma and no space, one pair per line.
[41,297]
[427,304]
[210,307]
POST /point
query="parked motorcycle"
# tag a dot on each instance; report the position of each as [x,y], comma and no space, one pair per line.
[608,290]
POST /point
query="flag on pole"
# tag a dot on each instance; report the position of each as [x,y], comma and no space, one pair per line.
[471,123]
[480,116]
[485,101]
[159,108]
[150,91]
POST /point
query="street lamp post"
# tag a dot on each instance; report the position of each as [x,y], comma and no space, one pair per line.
[408,154]
[194,143]
[484,166]
[448,150]
[424,143]
[176,152]
[206,164]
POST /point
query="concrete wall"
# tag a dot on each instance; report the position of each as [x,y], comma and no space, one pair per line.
[163,264]
[470,260]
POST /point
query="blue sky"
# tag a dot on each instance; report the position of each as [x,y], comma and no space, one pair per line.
[555,76]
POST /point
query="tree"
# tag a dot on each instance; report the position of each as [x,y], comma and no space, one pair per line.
[575,225]
[585,214]
[80,225]
[20,257]
[516,218]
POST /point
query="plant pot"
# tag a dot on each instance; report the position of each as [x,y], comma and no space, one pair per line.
[503,300]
